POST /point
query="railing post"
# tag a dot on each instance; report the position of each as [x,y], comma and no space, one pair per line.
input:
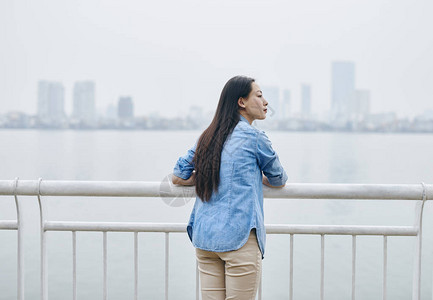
[291,269]
[419,209]
[135,265]
[104,254]
[44,281]
[20,257]
[74,265]
[167,249]
[385,265]
[322,266]
[353,266]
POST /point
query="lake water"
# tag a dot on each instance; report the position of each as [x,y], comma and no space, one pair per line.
[151,155]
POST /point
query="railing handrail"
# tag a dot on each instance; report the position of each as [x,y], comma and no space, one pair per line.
[166,189]
[270,228]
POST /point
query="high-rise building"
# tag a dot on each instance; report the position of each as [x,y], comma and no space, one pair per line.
[125,108]
[51,102]
[272,95]
[343,86]
[285,104]
[84,102]
[306,100]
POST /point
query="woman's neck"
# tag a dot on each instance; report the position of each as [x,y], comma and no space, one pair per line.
[246,117]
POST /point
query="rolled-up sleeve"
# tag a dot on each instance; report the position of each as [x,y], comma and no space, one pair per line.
[185,165]
[269,162]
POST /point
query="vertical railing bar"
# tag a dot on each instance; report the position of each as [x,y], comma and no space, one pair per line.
[416,288]
[20,257]
[74,265]
[353,265]
[197,281]
[167,248]
[104,235]
[135,265]
[322,267]
[385,261]
[44,270]
[291,268]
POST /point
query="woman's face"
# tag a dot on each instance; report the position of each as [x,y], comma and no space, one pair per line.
[255,105]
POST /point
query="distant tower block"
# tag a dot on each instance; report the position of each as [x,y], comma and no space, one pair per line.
[51,101]
[125,108]
[84,102]
[343,86]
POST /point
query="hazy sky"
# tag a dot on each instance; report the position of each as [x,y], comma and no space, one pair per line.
[171,54]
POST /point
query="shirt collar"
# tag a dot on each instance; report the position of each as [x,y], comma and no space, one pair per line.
[242,118]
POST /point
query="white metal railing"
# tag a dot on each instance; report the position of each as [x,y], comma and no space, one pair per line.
[39,188]
[16,225]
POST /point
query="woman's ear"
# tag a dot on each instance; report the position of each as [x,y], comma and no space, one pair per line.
[241,102]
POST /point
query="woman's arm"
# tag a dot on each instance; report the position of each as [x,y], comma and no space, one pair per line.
[266,182]
[273,172]
[183,172]
[177,180]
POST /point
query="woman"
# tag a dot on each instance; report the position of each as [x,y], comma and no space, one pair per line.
[228,165]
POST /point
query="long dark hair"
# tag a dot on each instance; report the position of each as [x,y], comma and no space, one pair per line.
[207,156]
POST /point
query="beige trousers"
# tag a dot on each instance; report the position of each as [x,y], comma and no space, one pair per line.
[232,274]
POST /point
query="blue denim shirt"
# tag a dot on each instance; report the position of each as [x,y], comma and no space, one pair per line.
[225,221]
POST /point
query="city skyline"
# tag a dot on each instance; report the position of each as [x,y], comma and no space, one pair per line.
[350,110]
[280,96]
[347,102]
[184,60]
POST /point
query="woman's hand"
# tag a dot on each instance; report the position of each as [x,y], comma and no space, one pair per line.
[177,180]
[266,182]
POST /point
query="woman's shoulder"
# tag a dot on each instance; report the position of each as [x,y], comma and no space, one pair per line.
[252,132]
[244,127]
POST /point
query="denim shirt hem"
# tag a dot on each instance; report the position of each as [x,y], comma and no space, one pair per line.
[244,241]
